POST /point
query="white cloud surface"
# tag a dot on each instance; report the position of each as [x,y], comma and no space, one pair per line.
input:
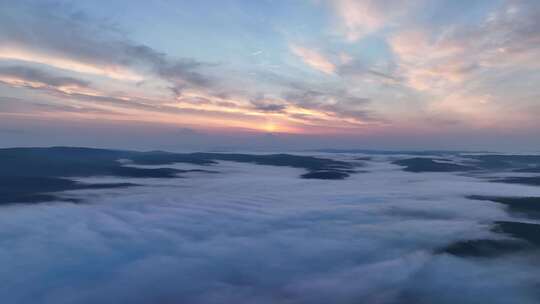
[259,234]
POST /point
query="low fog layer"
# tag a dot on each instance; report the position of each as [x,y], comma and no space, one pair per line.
[250,233]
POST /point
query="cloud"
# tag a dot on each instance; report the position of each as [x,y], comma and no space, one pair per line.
[71,40]
[271,107]
[314,59]
[38,77]
[320,104]
[361,17]
[419,59]
[388,77]
[20,106]
[505,39]
[268,105]
[357,69]
[61,62]
[337,103]
[241,236]
[425,64]
[467,71]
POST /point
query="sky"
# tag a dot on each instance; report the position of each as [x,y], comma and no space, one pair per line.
[269,74]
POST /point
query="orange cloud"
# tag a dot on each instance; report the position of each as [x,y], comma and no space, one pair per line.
[34,84]
[115,72]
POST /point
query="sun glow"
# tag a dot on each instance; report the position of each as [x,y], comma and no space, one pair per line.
[270,127]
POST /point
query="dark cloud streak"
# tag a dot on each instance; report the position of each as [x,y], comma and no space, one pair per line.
[60,30]
[35,75]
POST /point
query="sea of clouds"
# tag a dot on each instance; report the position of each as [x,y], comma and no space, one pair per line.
[260,234]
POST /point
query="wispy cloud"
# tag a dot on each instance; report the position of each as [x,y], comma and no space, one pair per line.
[70,64]
[71,40]
[33,78]
[314,59]
[361,17]
[349,64]
[454,64]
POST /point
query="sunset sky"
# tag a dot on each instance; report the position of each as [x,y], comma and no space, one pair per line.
[268,74]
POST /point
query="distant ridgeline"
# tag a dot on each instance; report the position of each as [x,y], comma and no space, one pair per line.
[456,161]
[518,236]
[478,163]
[35,174]
[32,174]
